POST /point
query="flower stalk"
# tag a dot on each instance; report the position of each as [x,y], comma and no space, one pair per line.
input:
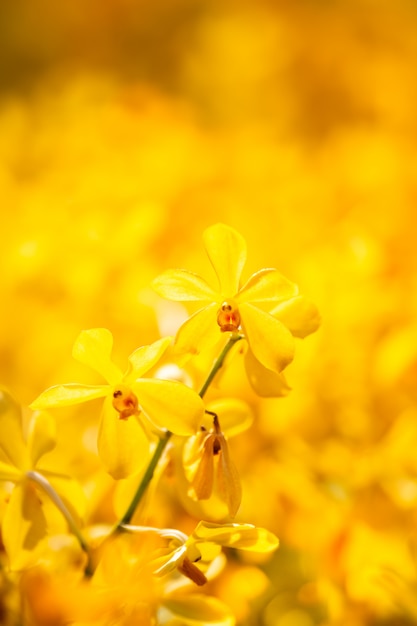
[150,470]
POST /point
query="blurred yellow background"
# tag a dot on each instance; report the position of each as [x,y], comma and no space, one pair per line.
[126,128]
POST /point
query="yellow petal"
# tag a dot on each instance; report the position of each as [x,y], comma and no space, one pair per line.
[199,332]
[299,315]
[9,472]
[235,415]
[67,395]
[265,286]
[145,357]
[183,286]
[168,563]
[41,435]
[71,492]
[265,382]
[198,609]
[170,405]
[208,549]
[12,445]
[93,348]
[24,525]
[228,481]
[226,249]
[202,482]
[122,444]
[271,343]
[241,536]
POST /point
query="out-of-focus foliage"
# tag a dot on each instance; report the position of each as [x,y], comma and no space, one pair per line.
[127,128]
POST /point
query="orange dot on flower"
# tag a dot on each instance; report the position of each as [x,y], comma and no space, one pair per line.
[125,402]
[228,317]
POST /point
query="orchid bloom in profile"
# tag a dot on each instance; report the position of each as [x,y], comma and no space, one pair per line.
[133,404]
[25,521]
[266,310]
[207,462]
[191,556]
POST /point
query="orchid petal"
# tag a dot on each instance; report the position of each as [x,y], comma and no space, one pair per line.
[265,382]
[9,472]
[163,565]
[241,536]
[226,249]
[93,348]
[70,491]
[183,286]
[228,480]
[67,395]
[271,343]
[235,416]
[24,525]
[12,445]
[202,482]
[170,405]
[299,315]
[145,357]
[199,332]
[267,285]
[198,609]
[41,435]
[122,444]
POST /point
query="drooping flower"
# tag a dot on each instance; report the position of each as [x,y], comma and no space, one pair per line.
[192,556]
[206,458]
[133,405]
[25,520]
[252,309]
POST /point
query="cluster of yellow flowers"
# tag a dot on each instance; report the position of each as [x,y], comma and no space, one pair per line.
[149,417]
[126,129]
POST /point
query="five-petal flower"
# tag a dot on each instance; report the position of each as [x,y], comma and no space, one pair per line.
[238,308]
[133,406]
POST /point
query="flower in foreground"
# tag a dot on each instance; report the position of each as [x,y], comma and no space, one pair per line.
[205,544]
[245,309]
[25,520]
[133,405]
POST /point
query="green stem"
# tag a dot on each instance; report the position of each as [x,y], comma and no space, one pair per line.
[219,362]
[40,480]
[147,477]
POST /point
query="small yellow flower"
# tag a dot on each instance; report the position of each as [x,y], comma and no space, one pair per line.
[123,443]
[254,309]
[25,520]
[208,466]
[205,544]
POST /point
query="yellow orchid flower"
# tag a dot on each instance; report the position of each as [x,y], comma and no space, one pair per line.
[205,544]
[236,308]
[133,404]
[208,466]
[25,520]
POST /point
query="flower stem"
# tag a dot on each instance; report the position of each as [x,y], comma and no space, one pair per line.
[219,362]
[59,503]
[147,477]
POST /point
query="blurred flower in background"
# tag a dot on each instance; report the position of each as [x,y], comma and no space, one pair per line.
[126,129]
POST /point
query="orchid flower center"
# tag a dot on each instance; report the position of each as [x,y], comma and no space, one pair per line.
[228,317]
[125,402]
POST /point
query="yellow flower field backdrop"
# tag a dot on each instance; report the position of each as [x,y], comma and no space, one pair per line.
[126,129]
